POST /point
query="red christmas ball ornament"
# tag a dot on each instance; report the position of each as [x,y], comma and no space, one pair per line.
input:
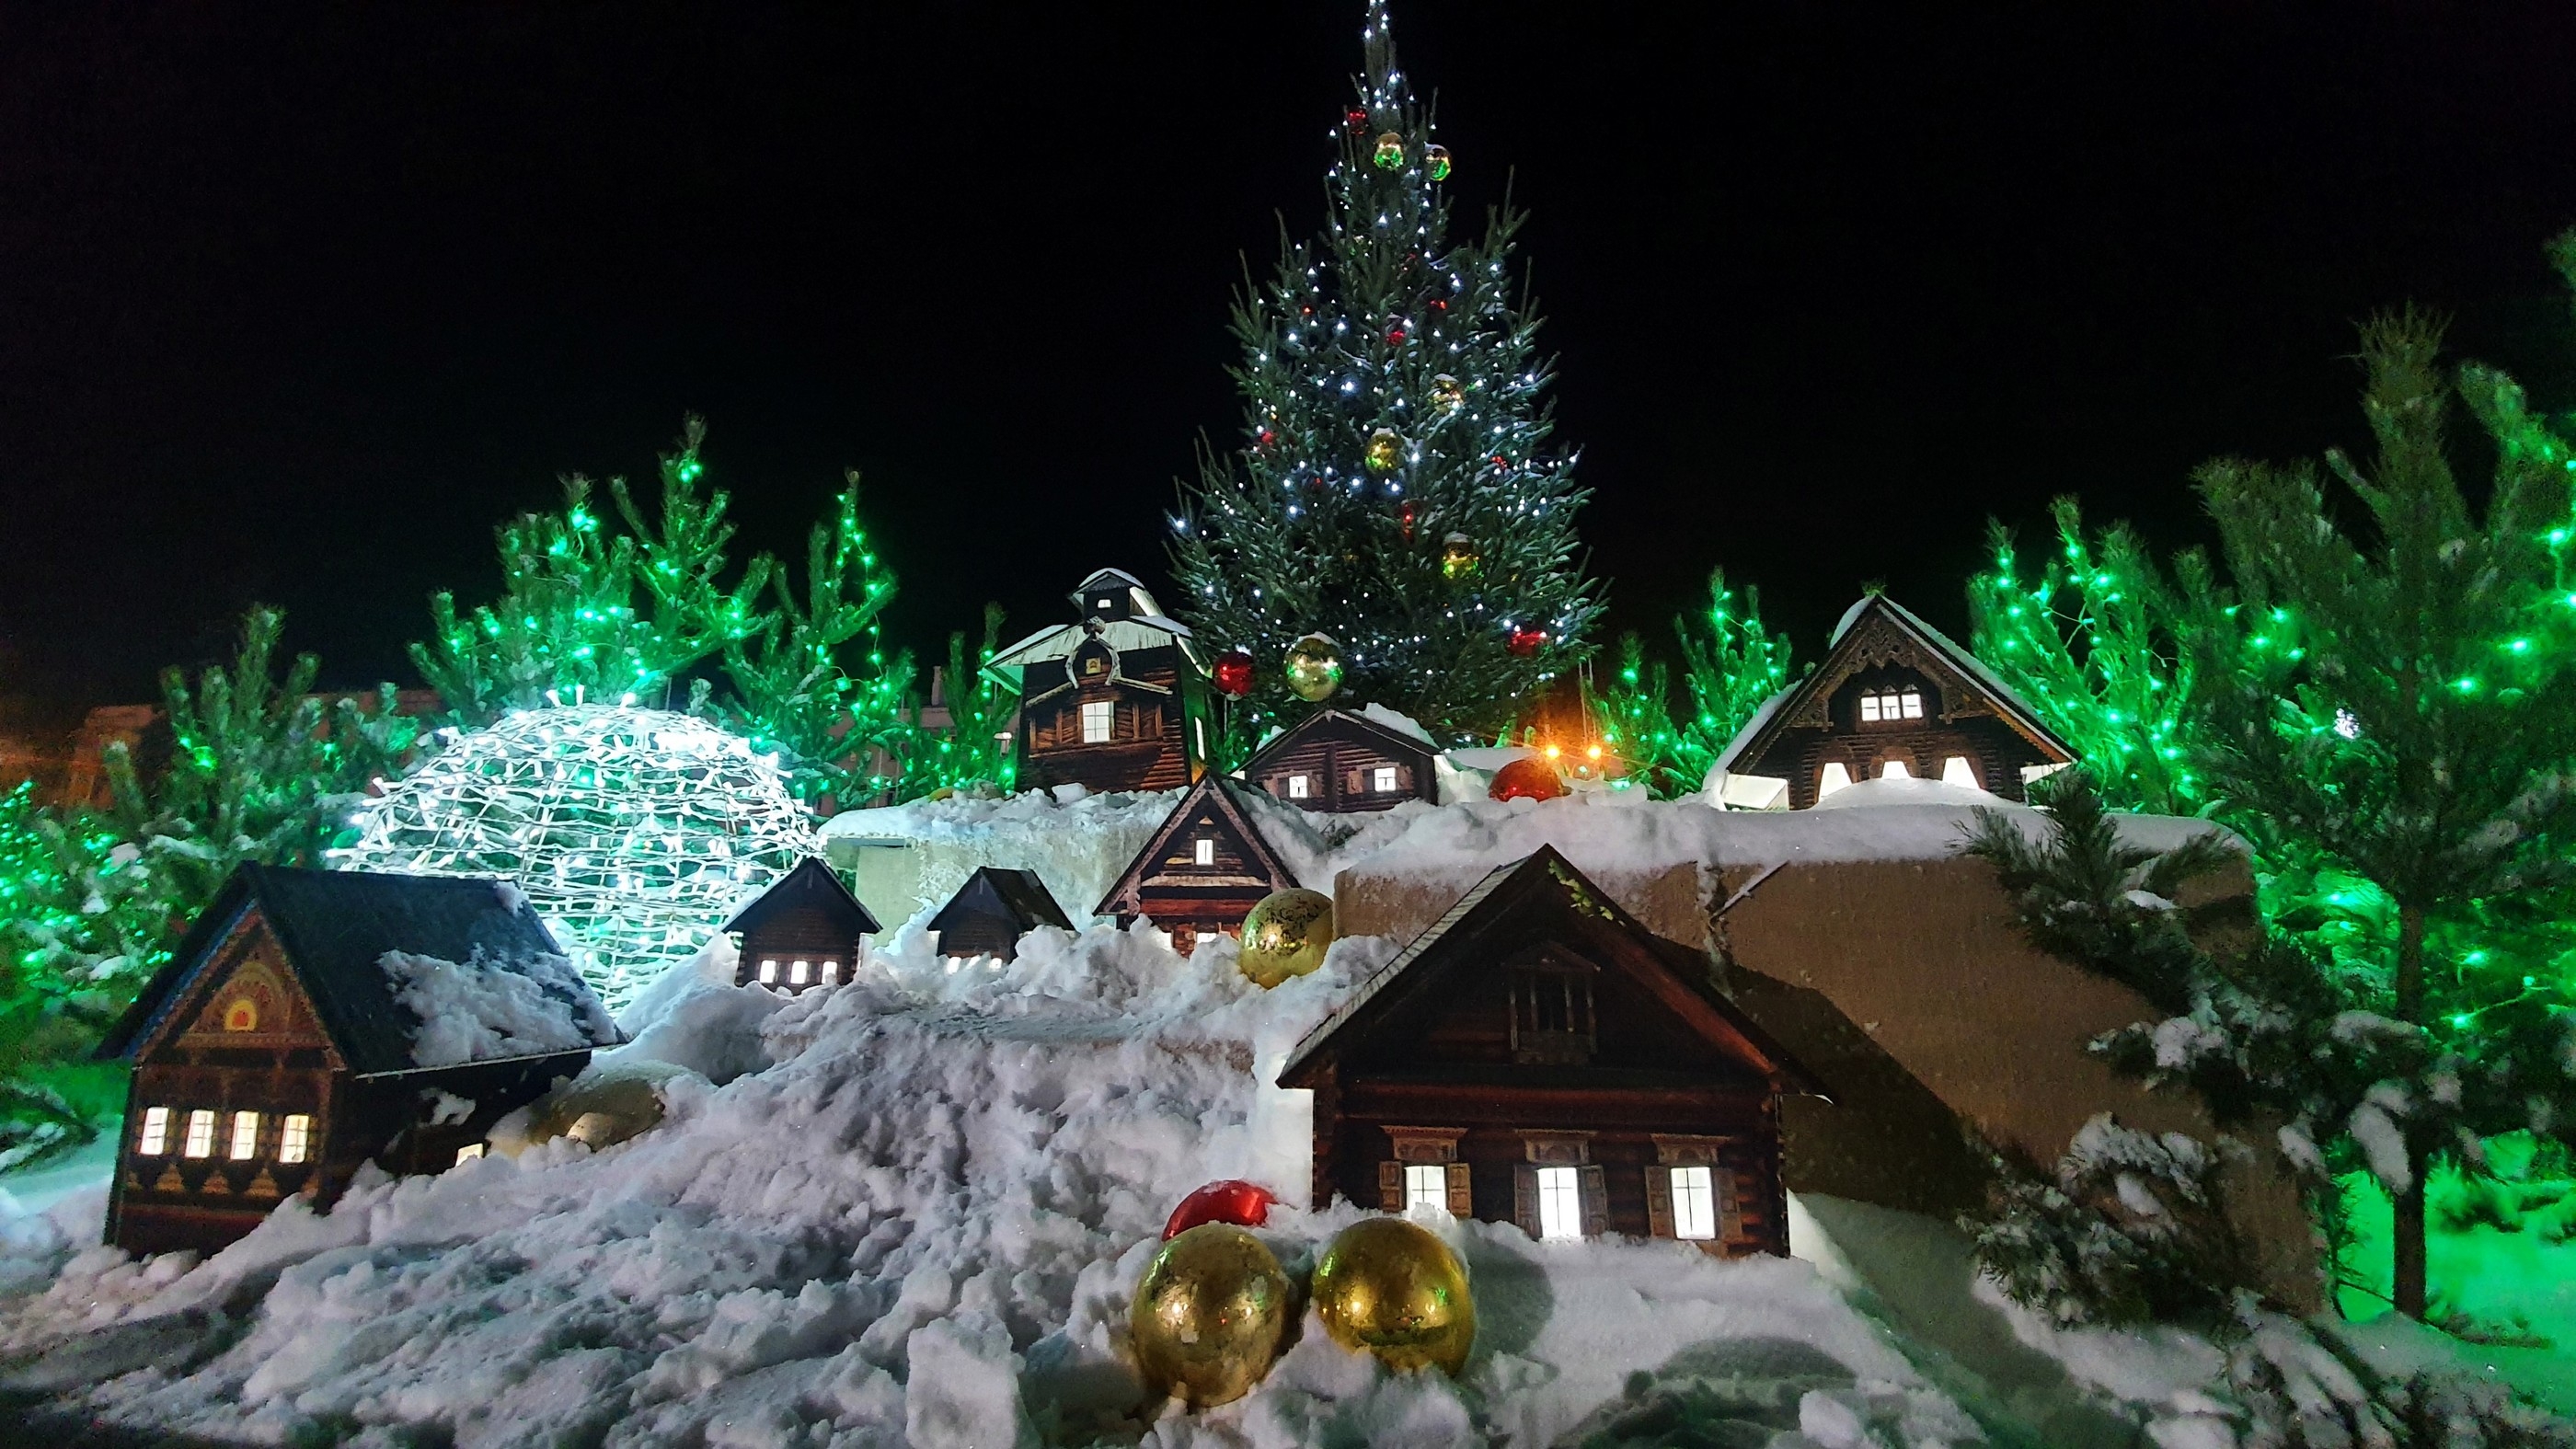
[1357,119]
[1524,641]
[1243,1204]
[1404,521]
[1395,335]
[1234,670]
[1267,437]
[1528,778]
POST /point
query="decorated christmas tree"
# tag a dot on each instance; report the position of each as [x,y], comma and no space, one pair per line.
[1395,489]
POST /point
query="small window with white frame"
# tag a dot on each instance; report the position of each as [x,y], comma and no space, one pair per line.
[295,1138]
[1560,1203]
[1301,787]
[245,1142]
[1203,850]
[156,1132]
[1382,780]
[1426,1184]
[1890,705]
[1099,719]
[1694,1204]
[201,1134]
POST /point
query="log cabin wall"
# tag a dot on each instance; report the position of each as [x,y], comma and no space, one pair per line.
[1148,747]
[1332,763]
[787,937]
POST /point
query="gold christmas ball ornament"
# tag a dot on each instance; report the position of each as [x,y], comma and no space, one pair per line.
[1208,1318]
[1314,668]
[1392,1288]
[1286,935]
[605,1105]
[1385,450]
[1448,394]
[1435,159]
[1458,558]
[1390,151]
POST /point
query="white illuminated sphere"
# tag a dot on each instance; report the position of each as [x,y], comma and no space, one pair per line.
[632,831]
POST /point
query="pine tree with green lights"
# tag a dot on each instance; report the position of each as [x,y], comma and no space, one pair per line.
[1395,488]
[2088,639]
[1731,664]
[2406,704]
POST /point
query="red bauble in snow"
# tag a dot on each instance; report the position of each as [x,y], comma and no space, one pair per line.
[1243,1204]
[1524,641]
[1528,778]
[1234,669]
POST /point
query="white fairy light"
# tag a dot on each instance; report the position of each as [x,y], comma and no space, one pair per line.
[596,811]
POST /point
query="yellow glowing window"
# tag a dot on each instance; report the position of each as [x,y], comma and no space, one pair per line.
[768,973]
[1203,851]
[800,973]
[241,1015]
[469,1152]
[201,1134]
[245,1143]
[295,1138]
[156,1132]
[1382,779]
[831,973]
[1694,1203]
[1560,1203]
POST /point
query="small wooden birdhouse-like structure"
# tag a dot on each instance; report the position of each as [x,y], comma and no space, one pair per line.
[1340,762]
[802,932]
[313,1021]
[1538,1057]
[1116,700]
[992,911]
[1894,698]
[1203,870]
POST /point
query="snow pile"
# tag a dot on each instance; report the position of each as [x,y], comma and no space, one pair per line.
[483,1009]
[920,1225]
[913,857]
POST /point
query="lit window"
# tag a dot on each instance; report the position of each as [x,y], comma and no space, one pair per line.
[1694,1203]
[1426,1185]
[245,1142]
[1382,779]
[156,1132]
[1096,719]
[1560,1203]
[1869,709]
[294,1138]
[1879,706]
[1203,851]
[800,973]
[768,973]
[1894,770]
[1957,771]
[1834,778]
[1299,787]
[201,1134]
[831,973]
[1913,704]
[468,1153]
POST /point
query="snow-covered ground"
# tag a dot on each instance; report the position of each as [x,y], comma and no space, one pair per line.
[911,1210]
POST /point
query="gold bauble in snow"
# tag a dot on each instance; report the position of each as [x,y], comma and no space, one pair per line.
[1209,1315]
[1286,935]
[605,1105]
[1392,1288]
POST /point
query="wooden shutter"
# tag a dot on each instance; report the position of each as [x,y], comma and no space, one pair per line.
[1730,1212]
[1659,1201]
[1462,1192]
[1525,1197]
[1594,1194]
[1390,1186]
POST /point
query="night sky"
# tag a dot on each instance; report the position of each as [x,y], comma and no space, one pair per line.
[296,303]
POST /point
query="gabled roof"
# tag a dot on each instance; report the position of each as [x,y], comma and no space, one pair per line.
[1680,980]
[1018,894]
[335,927]
[1786,705]
[1144,628]
[1387,737]
[1234,803]
[812,885]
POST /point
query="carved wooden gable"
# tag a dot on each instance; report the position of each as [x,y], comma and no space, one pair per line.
[247,998]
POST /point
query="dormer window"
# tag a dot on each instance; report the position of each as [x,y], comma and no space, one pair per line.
[1103,603]
[1890,705]
[1203,850]
[1552,1019]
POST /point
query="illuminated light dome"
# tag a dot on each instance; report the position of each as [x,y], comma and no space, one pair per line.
[632,831]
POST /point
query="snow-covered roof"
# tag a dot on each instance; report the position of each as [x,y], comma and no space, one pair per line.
[1058,641]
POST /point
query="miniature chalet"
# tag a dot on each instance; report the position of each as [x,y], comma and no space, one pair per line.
[1115,701]
[992,911]
[1339,762]
[802,932]
[285,1045]
[1894,697]
[1536,1056]
[1203,869]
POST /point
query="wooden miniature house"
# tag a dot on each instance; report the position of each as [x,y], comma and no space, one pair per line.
[1538,1057]
[1114,701]
[275,1054]
[1203,870]
[1339,762]
[992,911]
[1894,697]
[802,932]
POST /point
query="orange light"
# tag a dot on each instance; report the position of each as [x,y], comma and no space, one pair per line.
[1595,752]
[1551,752]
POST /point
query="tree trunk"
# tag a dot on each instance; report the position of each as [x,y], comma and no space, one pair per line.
[2407,1227]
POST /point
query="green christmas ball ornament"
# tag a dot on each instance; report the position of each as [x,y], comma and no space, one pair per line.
[1314,668]
[1459,560]
[1390,151]
[1435,159]
[1385,450]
